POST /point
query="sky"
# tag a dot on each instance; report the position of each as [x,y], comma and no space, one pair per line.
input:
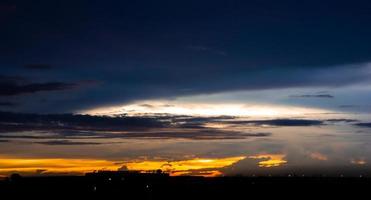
[95,73]
[61,56]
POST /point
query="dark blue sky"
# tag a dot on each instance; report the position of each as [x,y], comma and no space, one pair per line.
[63,56]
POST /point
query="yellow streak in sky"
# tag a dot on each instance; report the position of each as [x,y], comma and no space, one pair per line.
[197,166]
[183,166]
[79,166]
[270,160]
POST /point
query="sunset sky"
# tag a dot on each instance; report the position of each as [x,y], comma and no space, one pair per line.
[221,87]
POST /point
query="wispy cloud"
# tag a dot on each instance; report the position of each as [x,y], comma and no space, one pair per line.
[12,86]
[66,142]
[329,96]
[279,122]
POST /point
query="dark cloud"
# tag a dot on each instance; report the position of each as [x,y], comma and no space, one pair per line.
[12,86]
[38,66]
[313,96]
[349,106]
[278,122]
[76,122]
[68,126]
[368,125]
[62,129]
[66,142]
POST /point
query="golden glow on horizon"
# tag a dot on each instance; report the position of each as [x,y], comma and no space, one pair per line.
[185,166]
[204,109]
[78,166]
[197,166]
[270,160]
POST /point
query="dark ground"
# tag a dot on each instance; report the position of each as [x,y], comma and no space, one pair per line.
[124,185]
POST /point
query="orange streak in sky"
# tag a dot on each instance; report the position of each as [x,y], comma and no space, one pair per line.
[197,166]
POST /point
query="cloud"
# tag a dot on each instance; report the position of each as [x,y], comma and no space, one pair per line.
[76,122]
[12,86]
[66,142]
[144,84]
[368,125]
[313,96]
[61,129]
[349,106]
[341,120]
[69,126]
[278,122]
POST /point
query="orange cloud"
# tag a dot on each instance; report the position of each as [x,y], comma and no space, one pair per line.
[270,160]
[190,167]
